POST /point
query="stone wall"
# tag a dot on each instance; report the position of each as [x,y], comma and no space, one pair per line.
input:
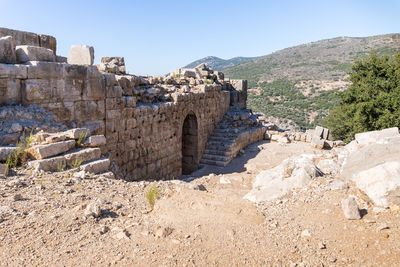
[29,38]
[142,118]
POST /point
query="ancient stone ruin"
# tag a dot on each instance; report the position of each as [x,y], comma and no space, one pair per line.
[155,127]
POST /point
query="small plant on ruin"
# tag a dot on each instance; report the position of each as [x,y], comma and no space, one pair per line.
[152,194]
[61,166]
[20,155]
[208,81]
[76,163]
[81,138]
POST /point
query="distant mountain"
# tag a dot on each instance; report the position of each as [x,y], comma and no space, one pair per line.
[217,63]
[298,85]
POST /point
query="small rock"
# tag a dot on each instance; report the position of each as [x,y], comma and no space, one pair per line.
[350,208]
[16,127]
[378,209]
[338,185]
[117,206]
[93,209]
[103,229]
[18,197]
[386,235]
[120,233]
[306,233]
[80,174]
[163,231]
[322,245]
[224,180]
[382,226]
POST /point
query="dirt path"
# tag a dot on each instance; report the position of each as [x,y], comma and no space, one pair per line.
[190,226]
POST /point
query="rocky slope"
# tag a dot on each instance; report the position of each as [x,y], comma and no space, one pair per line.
[217,63]
[297,85]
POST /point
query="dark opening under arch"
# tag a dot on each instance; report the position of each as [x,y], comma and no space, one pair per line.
[189,144]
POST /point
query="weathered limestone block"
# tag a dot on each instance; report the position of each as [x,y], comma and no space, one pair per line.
[318,142]
[78,133]
[13,71]
[46,70]
[81,55]
[113,65]
[7,50]
[97,166]
[5,151]
[50,164]
[10,91]
[95,141]
[84,155]
[48,41]
[27,53]
[29,38]
[49,150]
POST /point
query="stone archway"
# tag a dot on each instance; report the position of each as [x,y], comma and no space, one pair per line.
[189,144]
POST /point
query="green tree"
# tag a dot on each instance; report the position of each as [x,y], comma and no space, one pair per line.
[372,101]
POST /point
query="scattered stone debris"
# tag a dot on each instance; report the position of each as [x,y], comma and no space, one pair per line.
[350,208]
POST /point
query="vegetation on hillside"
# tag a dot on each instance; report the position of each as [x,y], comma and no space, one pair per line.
[217,63]
[373,99]
[283,100]
[306,77]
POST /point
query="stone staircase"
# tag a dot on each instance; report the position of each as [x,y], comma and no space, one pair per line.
[237,129]
[74,149]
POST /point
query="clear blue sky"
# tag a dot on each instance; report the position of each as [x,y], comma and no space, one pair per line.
[157,36]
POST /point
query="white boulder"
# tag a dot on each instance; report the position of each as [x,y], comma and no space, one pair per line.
[292,173]
[381,183]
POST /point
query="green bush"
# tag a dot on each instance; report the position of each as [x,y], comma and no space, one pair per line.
[372,101]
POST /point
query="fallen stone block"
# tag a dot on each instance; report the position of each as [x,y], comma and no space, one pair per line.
[27,53]
[78,133]
[50,150]
[350,208]
[317,142]
[292,173]
[50,164]
[83,155]
[81,55]
[97,166]
[7,50]
[5,151]
[381,183]
[95,141]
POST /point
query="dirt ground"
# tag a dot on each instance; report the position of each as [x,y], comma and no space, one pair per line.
[205,222]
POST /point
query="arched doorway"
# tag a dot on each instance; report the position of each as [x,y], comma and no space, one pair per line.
[189,144]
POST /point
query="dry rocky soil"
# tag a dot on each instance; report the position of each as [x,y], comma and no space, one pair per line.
[57,219]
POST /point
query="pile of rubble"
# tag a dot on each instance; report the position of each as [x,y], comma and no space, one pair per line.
[319,137]
[17,121]
[73,148]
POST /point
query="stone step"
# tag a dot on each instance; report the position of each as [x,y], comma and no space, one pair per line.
[216,157]
[213,162]
[50,150]
[222,144]
[67,160]
[217,152]
[220,138]
[96,166]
